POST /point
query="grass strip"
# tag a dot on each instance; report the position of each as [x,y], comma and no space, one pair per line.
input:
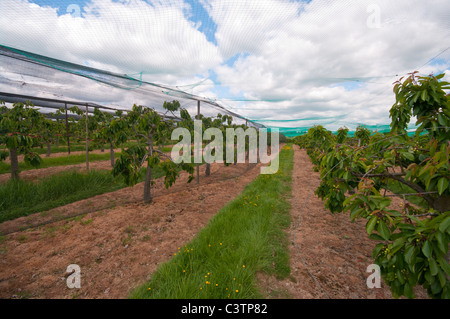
[21,198]
[65,159]
[244,238]
[58,161]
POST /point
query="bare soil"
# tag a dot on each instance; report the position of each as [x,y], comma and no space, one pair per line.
[329,253]
[118,242]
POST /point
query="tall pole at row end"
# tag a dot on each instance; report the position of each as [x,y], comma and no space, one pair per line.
[198,164]
[87,139]
[67,130]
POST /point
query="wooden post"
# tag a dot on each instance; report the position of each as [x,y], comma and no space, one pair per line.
[87,139]
[67,131]
[198,164]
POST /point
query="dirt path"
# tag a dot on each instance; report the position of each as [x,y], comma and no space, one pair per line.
[329,253]
[119,242]
[116,248]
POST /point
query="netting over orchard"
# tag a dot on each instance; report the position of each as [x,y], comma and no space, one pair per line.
[272,63]
[53,84]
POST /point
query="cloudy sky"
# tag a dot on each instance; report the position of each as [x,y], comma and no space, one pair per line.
[282,63]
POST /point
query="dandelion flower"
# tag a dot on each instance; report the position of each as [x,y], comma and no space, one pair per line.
[237,290]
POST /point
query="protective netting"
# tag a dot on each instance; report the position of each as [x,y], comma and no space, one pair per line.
[53,84]
[273,63]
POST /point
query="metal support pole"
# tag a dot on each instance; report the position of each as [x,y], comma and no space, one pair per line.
[87,139]
[198,164]
[67,130]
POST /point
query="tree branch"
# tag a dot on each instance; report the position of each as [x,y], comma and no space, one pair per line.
[163,154]
[417,188]
[398,177]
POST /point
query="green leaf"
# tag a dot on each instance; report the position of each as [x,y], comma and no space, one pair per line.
[426,249]
[397,245]
[406,227]
[442,185]
[409,292]
[355,213]
[440,237]
[374,236]
[444,264]
[383,230]
[410,253]
[445,224]
[441,120]
[433,266]
[408,156]
[441,276]
[424,95]
[377,250]
[371,224]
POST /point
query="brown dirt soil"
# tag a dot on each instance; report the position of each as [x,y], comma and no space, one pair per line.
[119,242]
[329,253]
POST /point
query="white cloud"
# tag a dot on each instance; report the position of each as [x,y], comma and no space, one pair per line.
[131,36]
[329,44]
[294,59]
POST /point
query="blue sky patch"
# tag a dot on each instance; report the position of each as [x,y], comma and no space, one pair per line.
[198,14]
[63,6]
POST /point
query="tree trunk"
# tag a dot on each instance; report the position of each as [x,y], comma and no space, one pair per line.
[148,186]
[49,149]
[14,163]
[111,153]
[148,177]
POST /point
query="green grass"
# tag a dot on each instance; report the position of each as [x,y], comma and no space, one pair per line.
[64,159]
[21,198]
[58,161]
[244,238]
